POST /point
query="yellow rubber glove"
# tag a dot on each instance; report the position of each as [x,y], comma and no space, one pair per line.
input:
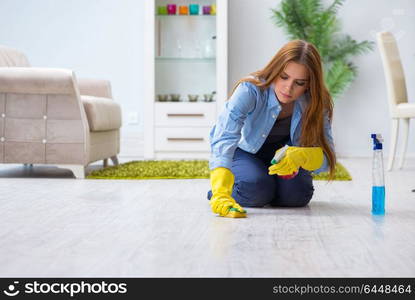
[222,203]
[308,158]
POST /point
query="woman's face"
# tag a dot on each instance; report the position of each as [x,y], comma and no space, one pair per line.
[292,82]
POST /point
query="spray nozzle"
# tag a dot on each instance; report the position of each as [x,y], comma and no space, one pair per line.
[377,140]
[279,155]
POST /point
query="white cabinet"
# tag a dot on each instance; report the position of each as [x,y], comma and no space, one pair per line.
[185,57]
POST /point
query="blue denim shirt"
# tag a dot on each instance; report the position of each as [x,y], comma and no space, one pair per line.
[247,119]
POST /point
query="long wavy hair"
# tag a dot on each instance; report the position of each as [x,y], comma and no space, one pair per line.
[312,130]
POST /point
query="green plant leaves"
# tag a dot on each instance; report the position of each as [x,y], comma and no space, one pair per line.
[310,21]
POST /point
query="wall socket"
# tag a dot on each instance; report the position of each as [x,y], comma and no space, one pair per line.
[133,117]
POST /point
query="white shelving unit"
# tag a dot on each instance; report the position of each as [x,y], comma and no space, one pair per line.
[184,55]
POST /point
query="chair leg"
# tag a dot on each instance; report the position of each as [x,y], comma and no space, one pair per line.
[114,160]
[405,131]
[77,170]
[105,162]
[394,138]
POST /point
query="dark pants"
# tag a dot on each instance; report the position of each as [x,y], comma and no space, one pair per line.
[255,188]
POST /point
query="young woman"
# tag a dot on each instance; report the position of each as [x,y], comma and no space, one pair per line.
[285,103]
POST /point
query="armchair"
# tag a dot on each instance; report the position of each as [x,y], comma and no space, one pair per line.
[48,116]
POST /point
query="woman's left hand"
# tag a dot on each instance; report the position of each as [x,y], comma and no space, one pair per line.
[283,168]
[308,158]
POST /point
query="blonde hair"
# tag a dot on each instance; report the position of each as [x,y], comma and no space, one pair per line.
[312,130]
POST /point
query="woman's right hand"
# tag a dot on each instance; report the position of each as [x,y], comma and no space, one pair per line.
[222,203]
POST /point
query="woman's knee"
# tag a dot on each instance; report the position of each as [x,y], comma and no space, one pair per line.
[297,199]
[295,192]
[255,191]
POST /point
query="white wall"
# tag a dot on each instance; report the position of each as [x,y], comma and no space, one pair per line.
[96,38]
[254,39]
[103,39]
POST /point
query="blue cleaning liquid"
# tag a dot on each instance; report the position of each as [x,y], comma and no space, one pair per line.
[378,200]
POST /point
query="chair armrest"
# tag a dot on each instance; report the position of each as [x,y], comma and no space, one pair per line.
[95,87]
[103,114]
[37,81]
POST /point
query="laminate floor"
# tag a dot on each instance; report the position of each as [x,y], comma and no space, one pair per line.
[52,225]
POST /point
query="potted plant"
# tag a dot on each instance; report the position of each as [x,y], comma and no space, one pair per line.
[308,20]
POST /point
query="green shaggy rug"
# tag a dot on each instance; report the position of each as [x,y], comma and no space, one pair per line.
[178,169]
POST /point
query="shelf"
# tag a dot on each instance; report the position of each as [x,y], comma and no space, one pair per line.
[181,58]
[185,59]
[185,101]
[185,16]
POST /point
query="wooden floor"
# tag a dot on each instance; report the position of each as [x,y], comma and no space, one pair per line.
[53,225]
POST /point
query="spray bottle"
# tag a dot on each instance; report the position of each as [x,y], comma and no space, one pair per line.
[279,155]
[378,184]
